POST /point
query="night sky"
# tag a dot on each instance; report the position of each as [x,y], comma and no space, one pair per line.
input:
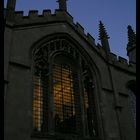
[115,14]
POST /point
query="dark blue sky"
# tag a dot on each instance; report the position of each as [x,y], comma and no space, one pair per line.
[115,14]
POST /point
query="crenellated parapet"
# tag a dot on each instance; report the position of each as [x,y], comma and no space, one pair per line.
[47,17]
[34,17]
[121,63]
[80,28]
[113,57]
[90,39]
[123,60]
[116,61]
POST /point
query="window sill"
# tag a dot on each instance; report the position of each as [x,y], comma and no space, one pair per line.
[58,136]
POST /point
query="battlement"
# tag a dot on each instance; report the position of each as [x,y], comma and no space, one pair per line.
[80,28]
[120,62]
[46,12]
[47,17]
[33,14]
[90,39]
[19,15]
[113,57]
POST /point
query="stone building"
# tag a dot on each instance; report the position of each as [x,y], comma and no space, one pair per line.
[60,84]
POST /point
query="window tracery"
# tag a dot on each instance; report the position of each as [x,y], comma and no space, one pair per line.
[66,93]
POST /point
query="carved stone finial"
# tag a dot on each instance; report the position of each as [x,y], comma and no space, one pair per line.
[102,31]
[131,46]
[10,8]
[103,37]
[131,36]
[62,5]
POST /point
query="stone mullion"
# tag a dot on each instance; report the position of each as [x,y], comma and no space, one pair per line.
[84,117]
[44,79]
[91,104]
[77,103]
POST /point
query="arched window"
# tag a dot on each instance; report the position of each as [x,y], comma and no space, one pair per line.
[63,90]
[66,94]
[40,100]
[64,98]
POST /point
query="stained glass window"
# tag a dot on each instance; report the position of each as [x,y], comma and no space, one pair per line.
[64,99]
[40,106]
[63,91]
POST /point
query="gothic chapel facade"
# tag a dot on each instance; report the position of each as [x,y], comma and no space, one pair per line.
[60,85]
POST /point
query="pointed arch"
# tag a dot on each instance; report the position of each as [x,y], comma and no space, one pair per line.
[52,56]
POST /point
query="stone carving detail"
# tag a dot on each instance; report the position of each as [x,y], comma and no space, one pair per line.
[41,57]
[42,54]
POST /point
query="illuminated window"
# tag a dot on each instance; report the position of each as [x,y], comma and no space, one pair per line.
[40,107]
[37,104]
[64,99]
[63,91]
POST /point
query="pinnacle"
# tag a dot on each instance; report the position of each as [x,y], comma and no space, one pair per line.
[131,36]
[62,5]
[102,31]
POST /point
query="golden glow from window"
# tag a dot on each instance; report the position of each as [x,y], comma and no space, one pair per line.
[37,104]
[63,92]
[86,99]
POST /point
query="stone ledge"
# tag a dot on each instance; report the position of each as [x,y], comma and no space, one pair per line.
[19,64]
